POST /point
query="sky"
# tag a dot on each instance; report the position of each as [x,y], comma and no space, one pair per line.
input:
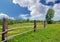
[32,9]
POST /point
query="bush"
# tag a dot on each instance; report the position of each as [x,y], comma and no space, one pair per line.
[50,22]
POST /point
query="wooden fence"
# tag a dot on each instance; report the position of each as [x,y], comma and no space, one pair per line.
[5,29]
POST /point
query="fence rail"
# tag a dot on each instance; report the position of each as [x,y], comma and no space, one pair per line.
[16,35]
[5,30]
[15,29]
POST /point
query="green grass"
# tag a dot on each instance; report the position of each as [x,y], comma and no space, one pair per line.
[49,34]
[18,30]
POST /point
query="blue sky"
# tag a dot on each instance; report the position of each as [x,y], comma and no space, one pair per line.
[7,7]
[14,10]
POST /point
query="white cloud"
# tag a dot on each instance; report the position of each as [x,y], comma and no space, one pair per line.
[50,1]
[25,3]
[23,16]
[57,7]
[39,17]
[37,9]
[12,18]
[2,15]
[15,1]
[57,11]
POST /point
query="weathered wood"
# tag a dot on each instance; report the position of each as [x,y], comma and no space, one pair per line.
[34,25]
[5,26]
[45,24]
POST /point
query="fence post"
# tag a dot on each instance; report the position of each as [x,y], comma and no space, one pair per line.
[45,24]
[34,25]
[4,29]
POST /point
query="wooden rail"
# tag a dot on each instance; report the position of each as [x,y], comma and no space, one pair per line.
[5,29]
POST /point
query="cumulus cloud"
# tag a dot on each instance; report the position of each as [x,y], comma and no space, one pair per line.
[23,16]
[2,15]
[37,10]
[57,7]
[50,1]
[12,18]
[34,6]
[25,3]
[57,11]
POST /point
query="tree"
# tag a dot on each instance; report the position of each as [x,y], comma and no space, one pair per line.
[11,22]
[28,20]
[49,16]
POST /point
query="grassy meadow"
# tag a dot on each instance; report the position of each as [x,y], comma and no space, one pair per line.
[49,34]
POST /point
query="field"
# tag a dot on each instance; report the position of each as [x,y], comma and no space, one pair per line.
[49,34]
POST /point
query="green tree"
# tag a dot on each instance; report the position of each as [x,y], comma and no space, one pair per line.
[49,16]
[28,20]
[10,21]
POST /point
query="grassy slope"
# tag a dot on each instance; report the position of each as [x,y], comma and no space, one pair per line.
[49,34]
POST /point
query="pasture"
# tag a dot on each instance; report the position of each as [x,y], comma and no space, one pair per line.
[49,34]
